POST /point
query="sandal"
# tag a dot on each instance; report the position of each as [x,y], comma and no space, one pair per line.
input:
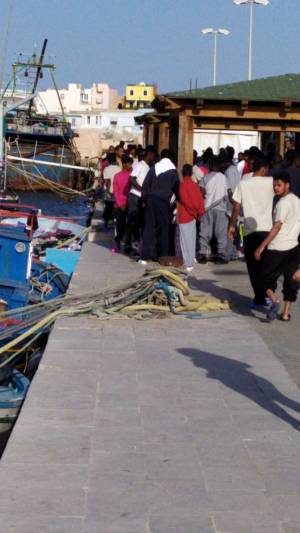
[288,319]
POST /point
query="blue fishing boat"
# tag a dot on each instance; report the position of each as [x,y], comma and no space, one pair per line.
[24,282]
[25,279]
[12,394]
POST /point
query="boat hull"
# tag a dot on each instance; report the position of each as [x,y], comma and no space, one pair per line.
[53,153]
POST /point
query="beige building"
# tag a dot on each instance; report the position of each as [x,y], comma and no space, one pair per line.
[77,99]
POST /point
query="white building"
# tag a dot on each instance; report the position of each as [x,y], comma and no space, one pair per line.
[96,131]
[94,115]
[77,99]
[116,120]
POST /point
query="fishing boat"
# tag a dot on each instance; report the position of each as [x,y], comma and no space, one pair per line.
[23,278]
[25,282]
[13,390]
[41,225]
[40,152]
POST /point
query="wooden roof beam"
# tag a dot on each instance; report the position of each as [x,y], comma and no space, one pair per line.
[163,103]
[154,119]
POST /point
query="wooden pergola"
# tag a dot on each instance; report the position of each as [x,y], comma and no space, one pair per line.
[267,105]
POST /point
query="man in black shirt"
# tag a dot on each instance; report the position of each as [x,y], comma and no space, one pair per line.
[160,185]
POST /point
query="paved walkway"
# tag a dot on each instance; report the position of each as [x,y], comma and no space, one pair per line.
[281,338]
[164,426]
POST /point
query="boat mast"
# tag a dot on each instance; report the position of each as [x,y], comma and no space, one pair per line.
[38,72]
[2,161]
[2,105]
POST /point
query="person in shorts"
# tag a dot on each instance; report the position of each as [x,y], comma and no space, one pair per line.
[281,248]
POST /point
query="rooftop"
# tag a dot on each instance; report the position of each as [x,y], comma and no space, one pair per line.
[273,88]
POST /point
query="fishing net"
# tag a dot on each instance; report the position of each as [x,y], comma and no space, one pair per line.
[159,292]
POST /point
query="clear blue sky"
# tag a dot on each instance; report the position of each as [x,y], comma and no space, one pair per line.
[121,41]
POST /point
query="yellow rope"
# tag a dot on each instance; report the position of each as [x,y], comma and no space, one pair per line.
[133,297]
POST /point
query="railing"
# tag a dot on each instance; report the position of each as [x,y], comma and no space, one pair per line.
[41,128]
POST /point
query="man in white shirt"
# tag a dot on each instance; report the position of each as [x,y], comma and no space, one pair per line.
[134,206]
[282,249]
[214,222]
[255,197]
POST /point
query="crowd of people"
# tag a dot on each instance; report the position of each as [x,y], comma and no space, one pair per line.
[219,209]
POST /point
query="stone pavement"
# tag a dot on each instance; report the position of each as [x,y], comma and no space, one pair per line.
[231,281]
[159,426]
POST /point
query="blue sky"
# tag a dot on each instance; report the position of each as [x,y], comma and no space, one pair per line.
[121,41]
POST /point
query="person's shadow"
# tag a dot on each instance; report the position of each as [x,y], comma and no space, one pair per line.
[237,376]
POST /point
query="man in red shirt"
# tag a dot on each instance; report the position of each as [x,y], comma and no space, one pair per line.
[190,209]
[121,186]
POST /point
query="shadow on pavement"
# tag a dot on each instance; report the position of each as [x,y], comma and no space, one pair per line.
[237,376]
[234,272]
[238,302]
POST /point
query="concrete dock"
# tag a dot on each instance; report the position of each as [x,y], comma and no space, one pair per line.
[159,426]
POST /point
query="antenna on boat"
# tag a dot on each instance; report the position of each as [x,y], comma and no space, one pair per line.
[38,73]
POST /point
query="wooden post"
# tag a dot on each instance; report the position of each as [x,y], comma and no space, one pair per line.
[282,143]
[145,134]
[151,134]
[163,141]
[185,140]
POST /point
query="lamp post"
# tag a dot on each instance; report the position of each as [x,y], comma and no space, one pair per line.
[251,3]
[219,31]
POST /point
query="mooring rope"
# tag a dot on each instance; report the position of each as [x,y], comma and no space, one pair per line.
[158,291]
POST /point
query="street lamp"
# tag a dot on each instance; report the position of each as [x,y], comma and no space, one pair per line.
[251,3]
[215,33]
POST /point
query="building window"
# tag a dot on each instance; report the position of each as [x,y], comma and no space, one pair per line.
[131,92]
[97,119]
[88,119]
[145,93]
[84,97]
[73,121]
[62,96]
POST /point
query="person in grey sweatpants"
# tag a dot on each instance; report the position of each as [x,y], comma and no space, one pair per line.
[188,242]
[214,222]
[190,208]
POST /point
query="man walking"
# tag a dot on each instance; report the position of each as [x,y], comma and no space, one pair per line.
[282,249]
[255,197]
